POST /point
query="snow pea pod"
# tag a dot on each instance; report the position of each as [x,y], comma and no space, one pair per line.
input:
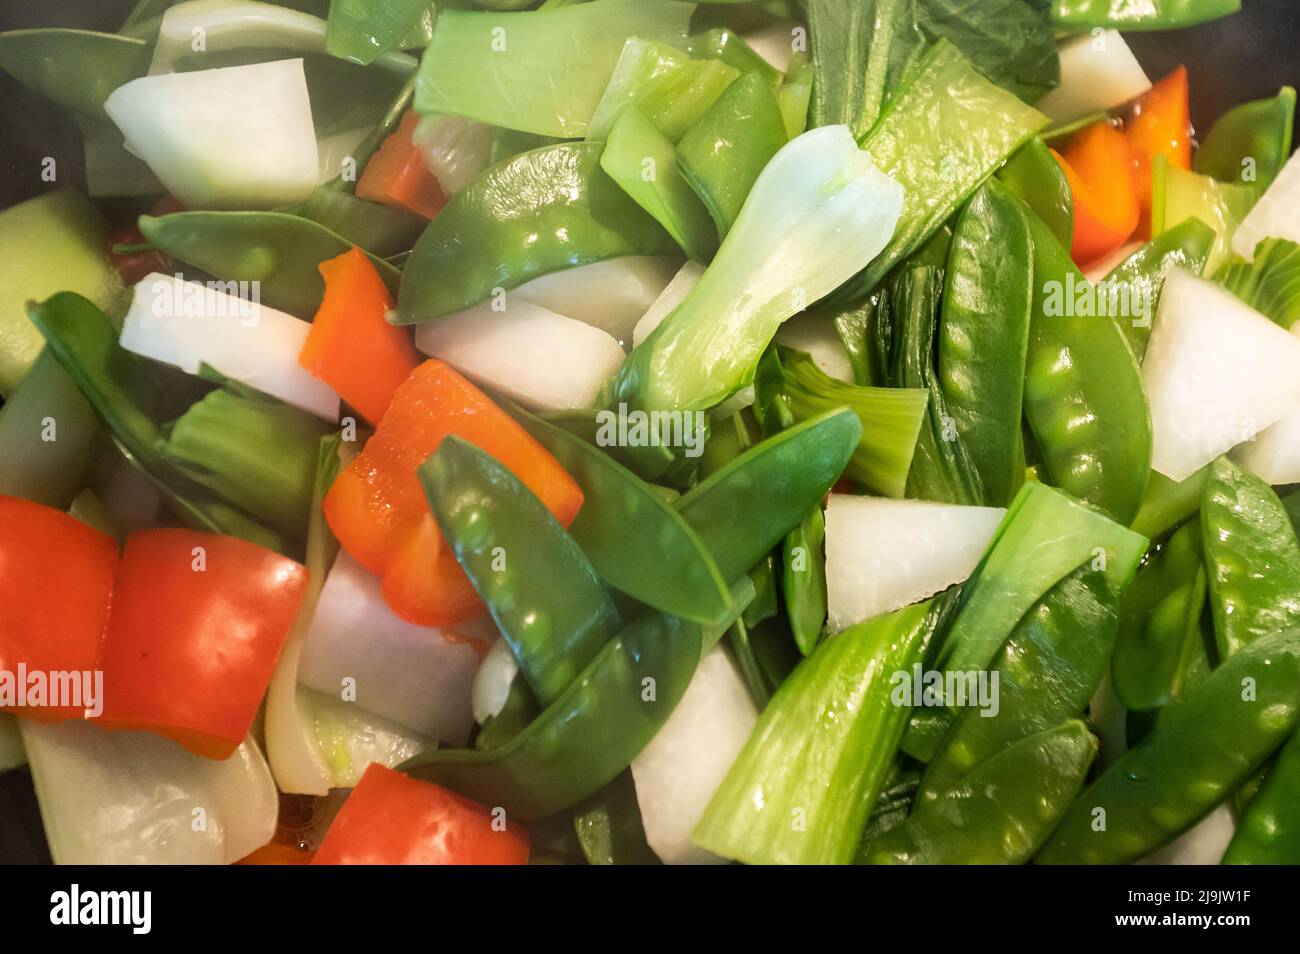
[1083,392]
[1252,557]
[1033,175]
[1139,14]
[1250,143]
[1141,276]
[999,814]
[378,229]
[1167,503]
[608,826]
[1269,831]
[75,68]
[588,735]
[984,337]
[648,462]
[548,602]
[1195,756]
[283,252]
[803,580]
[542,211]
[1160,623]
[1047,671]
[620,517]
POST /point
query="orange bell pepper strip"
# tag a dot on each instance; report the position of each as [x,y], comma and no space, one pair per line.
[350,346]
[393,819]
[1103,183]
[56,576]
[1160,124]
[398,176]
[197,623]
[377,509]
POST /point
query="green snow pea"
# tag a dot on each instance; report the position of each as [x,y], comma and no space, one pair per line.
[984,336]
[378,229]
[1002,812]
[803,579]
[1195,756]
[1187,245]
[1252,557]
[643,161]
[608,826]
[546,210]
[363,30]
[1269,831]
[745,509]
[1139,14]
[589,734]
[1250,143]
[1047,671]
[1083,391]
[621,517]
[1033,175]
[722,154]
[542,592]
[75,68]
[894,803]
[283,252]
[123,391]
[650,462]
[1167,503]
[385,127]
[1160,623]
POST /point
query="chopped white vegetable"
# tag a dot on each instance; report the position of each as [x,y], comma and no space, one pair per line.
[455,149]
[542,360]
[233,137]
[668,299]
[1274,455]
[1275,215]
[126,797]
[883,554]
[357,650]
[492,683]
[611,295]
[352,738]
[815,333]
[186,324]
[1202,844]
[1216,373]
[1098,71]
[775,42]
[678,772]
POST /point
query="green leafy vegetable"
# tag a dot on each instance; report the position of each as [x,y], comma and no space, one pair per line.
[1270,284]
[1250,143]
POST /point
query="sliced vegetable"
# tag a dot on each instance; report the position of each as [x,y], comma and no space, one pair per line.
[1269,832]
[1098,73]
[361,31]
[40,59]
[1033,175]
[398,176]
[1099,163]
[377,228]
[1270,283]
[1274,215]
[673,294]
[1178,195]
[455,149]
[1160,124]
[1250,143]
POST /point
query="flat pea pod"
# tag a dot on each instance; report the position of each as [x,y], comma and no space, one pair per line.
[1197,754]
[1167,503]
[1033,175]
[722,154]
[1187,245]
[1269,831]
[1083,392]
[1002,812]
[1139,14]
[548,602]
[649,462]
[283,252]
[77,69]
[1160,623]
[745,509]
[1250,143]
[620,517]
[377,228]
[587,736]
[1047,671]
[608,826]
[517,713]
[1252,557]
[542,211]
[362,30]
[984,337]
[803,580]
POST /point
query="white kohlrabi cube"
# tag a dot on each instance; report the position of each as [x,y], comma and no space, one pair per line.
[678,772]
[1216,373]
[1098,72]
[493,681]
[611,295]
[1274,455]
[1275,215]
[883,554]
[672,295]
[542,360]
[232,137]
[815,333]
[419,676]
[186,324]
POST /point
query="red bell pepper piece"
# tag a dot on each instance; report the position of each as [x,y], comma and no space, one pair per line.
[197,623]
[377,508]
[1099,166]
[56,575]
[393,819]
[350,346]
[133,266]
[1160,124]
[398,176]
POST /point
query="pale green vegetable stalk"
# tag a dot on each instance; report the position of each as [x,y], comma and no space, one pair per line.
[818,213]
[1270,284]
[541,71]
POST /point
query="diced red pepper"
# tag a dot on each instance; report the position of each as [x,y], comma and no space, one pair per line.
[197,623]
[398,176]
[1160,124]
[393,819]
[56,575]
[1099,166]
[134,266]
